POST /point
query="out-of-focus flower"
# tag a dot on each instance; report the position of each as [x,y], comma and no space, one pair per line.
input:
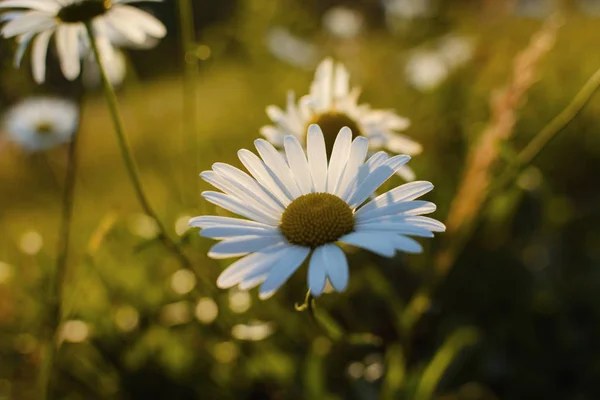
[535,8]
[343,22]
[456,50]
[254,331]
[291,49]
[38,20]
[74,331]
[40,123]
[408,9]
[426,70]
[332,105]
[115,68]
[297,206]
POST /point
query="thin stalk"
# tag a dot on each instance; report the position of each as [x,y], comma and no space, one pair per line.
[523,159]
[57,281]
[190,103]
[131,166]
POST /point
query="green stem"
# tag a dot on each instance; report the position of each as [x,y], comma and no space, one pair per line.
[549,132]
[128,159]
[57,281]
[188,41]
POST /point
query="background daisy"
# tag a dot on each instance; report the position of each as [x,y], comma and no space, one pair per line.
[299,206]
[40,123]
[332,104]
[66,19]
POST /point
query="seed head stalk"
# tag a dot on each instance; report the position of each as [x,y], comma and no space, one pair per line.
[131,166]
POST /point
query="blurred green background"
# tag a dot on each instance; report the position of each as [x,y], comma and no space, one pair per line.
[524,293]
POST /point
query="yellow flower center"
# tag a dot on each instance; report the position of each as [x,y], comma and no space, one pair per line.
[83,10]
[315,219]
[44,128]
[331,123]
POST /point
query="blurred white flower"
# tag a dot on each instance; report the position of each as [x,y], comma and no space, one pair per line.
[115,67]
[38,20]
[74,331]
[343,22]
[590,7]
[426,70]
[332,104]
[535,8]
[291,49]
[254,331]
[40,123]
[408,9]
[298,208]
[456,50]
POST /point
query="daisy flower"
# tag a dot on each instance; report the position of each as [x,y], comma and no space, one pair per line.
[299,206]
[331,104]
[40,123]
[36,21]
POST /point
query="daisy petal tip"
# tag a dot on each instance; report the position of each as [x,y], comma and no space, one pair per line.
[262,295]
[346,131]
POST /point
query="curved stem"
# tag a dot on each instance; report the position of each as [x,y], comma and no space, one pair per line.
[57,282]
[128,159]
[331,329]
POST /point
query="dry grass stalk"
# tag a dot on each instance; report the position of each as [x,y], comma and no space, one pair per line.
[504,105]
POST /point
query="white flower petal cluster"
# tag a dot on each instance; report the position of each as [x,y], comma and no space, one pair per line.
[333,104]
[300,205]
[35,22]
[40,123]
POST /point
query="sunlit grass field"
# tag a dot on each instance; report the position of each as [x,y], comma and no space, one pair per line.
[516,317]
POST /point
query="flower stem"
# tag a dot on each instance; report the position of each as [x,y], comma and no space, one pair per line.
[111,99]
[55,296]
[188,32]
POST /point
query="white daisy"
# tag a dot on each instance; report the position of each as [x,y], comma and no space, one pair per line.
[41,19]
[332,105]
[40,123]
[298,205]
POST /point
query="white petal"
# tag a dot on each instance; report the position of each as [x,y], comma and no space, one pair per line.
[337,266]
[250,199]
[38,55]
[407,244]
[236,206]
[427,223]
[273,135]
[415,207]
[402,145]
[358,153]
[41,5]
[376,179]
[317,272]
[373,162]
[140,20]
[240,246]
[298,164]
[339,158]
[378,243]
[24,41]
[403,228]
[210,221]
[406,192]
[342,81]
[67,44]
[263,176]
[29,21]
[276,163]
[406,173]
[240,269]
[224,232]
[317,157]
[283,269]
[248,185]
